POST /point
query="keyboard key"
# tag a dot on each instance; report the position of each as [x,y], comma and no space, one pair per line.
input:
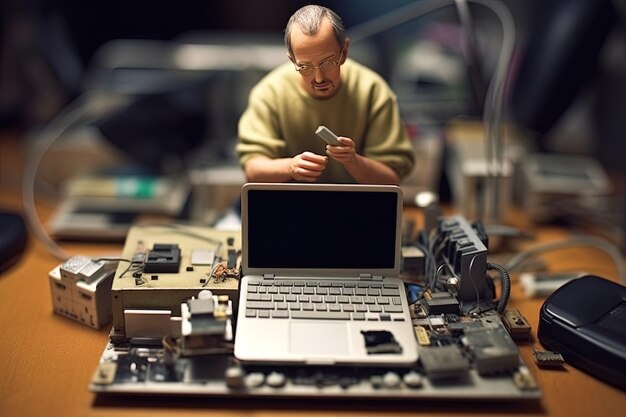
[369,300]
[358,316]
[392,309]
[260,305]
[390,292]
[250,313]
[280,314]
[327,315]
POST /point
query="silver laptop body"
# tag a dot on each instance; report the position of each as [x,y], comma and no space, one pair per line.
[339,245]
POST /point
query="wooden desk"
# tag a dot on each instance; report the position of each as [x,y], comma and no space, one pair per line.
[47,361]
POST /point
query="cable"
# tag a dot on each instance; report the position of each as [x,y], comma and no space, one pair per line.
[505,280]
[582,240]
[492,108]
[83,109]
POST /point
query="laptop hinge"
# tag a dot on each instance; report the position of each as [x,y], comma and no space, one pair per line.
[268,276]
[370,277]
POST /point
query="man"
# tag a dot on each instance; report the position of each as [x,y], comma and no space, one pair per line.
[322,86]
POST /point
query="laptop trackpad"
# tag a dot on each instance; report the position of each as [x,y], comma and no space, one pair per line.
[329,338]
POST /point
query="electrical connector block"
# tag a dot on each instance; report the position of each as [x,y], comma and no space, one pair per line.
[81,290]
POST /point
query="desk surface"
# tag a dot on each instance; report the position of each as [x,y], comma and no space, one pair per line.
[47,361]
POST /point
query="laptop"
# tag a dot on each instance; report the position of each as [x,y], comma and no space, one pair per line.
[320,267]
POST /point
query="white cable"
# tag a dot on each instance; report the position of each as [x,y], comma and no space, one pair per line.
[581,240]
[492,108]
[494,102]
[83,109]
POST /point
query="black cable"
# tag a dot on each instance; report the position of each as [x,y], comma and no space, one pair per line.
[505,279]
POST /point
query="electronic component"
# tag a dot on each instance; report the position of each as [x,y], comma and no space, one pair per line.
[444,362]
[516,324]
[524,380]
[422,336]
[81,290]
[139,291]
[328,136]
[465,252]
[206,324]
[163,258]
[548,358]
[202,256]
[492,350]
[440,303]
[412,262]
[380,342]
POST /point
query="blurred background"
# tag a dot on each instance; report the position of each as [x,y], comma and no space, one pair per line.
[155,89]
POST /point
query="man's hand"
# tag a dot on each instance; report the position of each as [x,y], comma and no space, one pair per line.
[364,170]
[344,153]
[307,166]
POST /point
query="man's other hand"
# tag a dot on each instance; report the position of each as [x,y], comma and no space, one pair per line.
[307,166]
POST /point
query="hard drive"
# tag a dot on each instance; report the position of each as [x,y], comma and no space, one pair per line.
[585,320]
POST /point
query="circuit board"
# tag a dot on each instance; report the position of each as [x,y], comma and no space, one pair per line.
[465,349]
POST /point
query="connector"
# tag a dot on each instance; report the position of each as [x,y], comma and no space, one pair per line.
[81,290]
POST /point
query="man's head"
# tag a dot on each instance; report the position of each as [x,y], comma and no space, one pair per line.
[317,45]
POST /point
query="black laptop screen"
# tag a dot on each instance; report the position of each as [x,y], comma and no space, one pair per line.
[299,229]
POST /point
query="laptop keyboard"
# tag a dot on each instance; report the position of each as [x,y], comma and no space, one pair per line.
[371,301]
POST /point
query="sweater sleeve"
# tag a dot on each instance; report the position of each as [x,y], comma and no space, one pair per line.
[258,127]
[387,139]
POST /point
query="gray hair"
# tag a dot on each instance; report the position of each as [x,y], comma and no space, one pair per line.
[309,18]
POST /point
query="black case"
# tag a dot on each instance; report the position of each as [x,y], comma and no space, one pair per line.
[585,320]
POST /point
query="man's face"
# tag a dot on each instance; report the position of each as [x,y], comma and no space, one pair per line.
[313,51]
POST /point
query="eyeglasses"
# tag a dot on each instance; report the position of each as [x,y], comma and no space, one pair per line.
[326,66]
